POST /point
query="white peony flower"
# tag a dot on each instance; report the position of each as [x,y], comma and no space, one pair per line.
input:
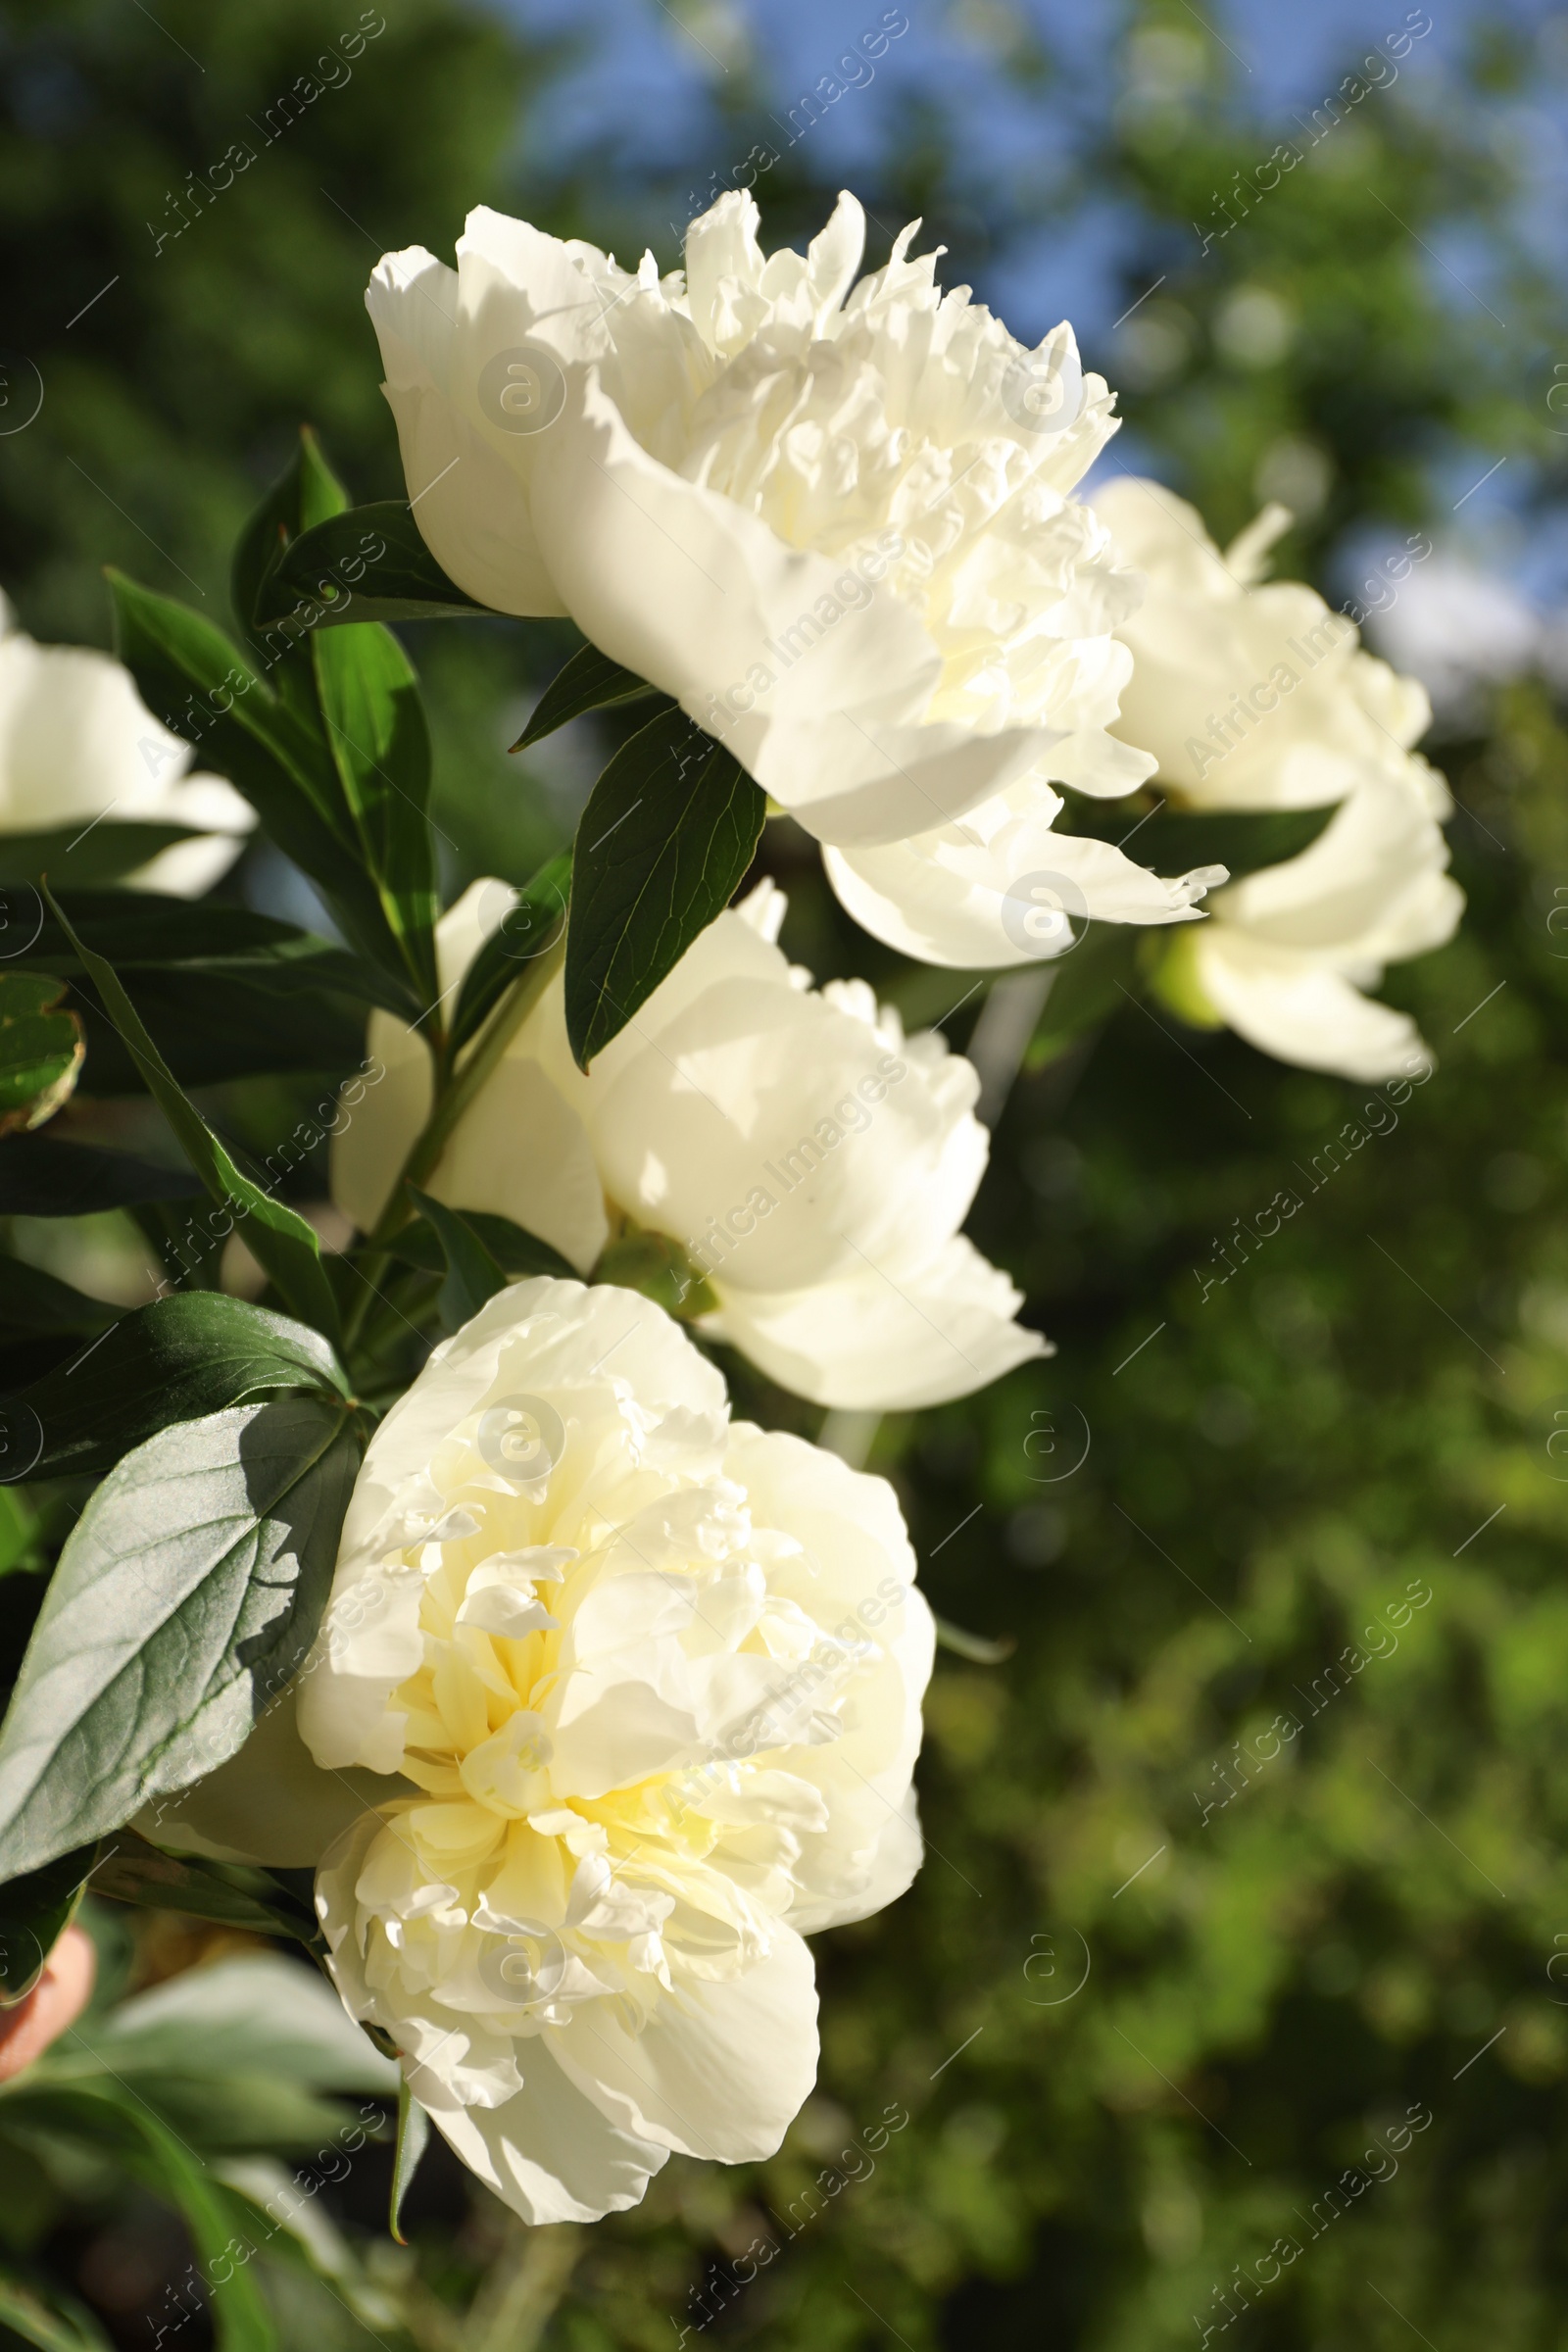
[657,1679]
[1253,694]
[77,743]
[814,1161]
[831,518]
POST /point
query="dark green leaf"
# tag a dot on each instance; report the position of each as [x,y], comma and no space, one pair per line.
[213,1024]
[185,1598]
[516,1252]
[114,2121]
[414,2134]
[184,1356]
[40,1050]
[1175,840]
[370,703]
[273,750]
[33,1301]
[143,927]
[57,2325]
[533,925]
[34,1913]
[589,681]
[368,565]
[105,852]
[280,1241]
[306,493]
[44,1176]
[133,1870]
[670,830]
[472,1275]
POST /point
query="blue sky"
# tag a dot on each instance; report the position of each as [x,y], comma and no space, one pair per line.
[648,87]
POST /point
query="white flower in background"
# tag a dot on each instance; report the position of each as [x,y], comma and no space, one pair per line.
[1253,695]
[814,1161]
[1462,629]
[831,518]
[657,1679]
[77,743]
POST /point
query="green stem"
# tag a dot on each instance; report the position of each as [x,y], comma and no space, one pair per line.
[454,1092]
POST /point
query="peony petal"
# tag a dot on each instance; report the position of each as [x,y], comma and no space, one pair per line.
[720,2071]
[471,512]
[1303,1012]
[870,1342]
[549,2152]
[963,897]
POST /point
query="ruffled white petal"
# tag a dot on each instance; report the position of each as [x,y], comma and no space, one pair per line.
[1004,886]
[876,1340]
[550,2152]
[832,519]
[721,2075]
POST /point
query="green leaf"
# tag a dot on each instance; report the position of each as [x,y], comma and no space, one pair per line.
[274,749]
[25,1524]
[306,492]
[530,929]
[34,1913]
[35,1301]
[369,700]
[44,1176]
[1175,840]
[670,830]
[143,927]
[213,1025]
[105,852]
[281,1241]
[231,993]
[113,2120]
[179,1360]
[258,2013]
[57,2325]
[185,1598]
[369,563]
[589,681]
[472,1275]
[40,1050]
[130,1870]
[515,1251]
[414,2136]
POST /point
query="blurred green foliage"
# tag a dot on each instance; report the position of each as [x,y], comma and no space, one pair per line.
[1372,1921]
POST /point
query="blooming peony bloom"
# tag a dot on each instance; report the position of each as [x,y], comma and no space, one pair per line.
[77,743]
[832,519]
[656,1680]
[815,1163]
[1253,695]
